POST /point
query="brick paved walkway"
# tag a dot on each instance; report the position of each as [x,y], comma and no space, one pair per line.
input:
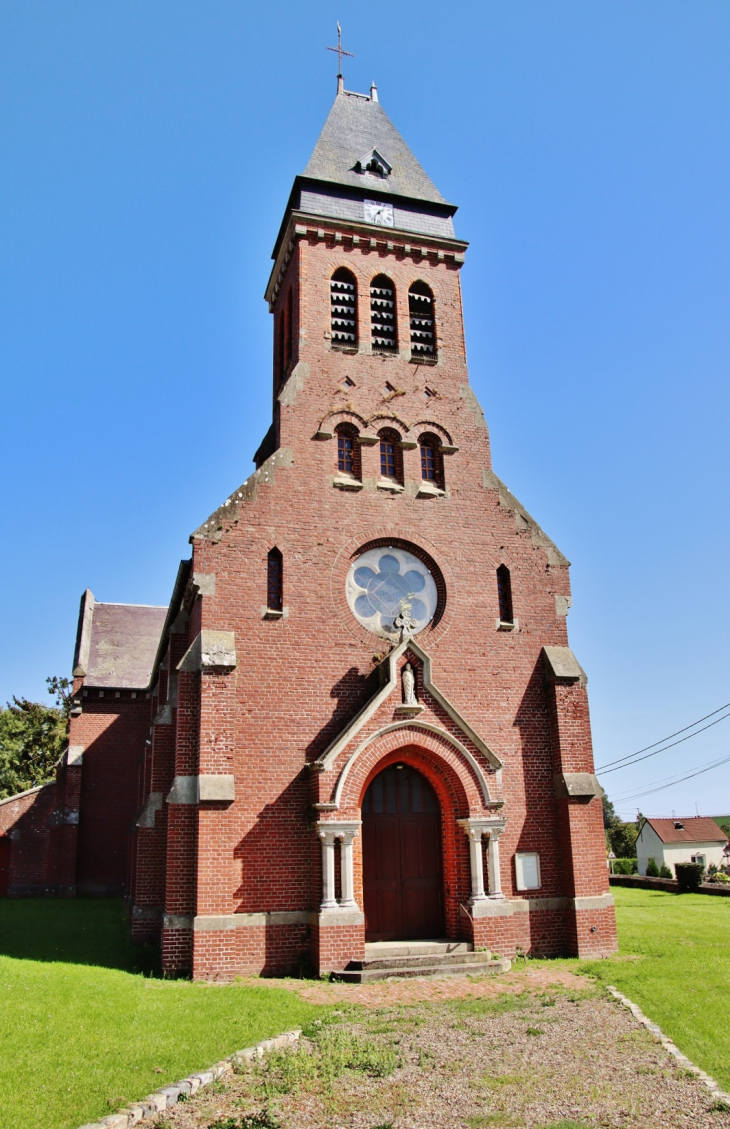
[422,989]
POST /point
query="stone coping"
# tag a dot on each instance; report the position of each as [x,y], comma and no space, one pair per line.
[186,1087]
[668,1045]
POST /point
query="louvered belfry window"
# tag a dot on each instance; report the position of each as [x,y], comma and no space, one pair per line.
[423,325]
[343,291]
[382,315]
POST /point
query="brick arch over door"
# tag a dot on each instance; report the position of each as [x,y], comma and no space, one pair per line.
[453,793]
[450,765]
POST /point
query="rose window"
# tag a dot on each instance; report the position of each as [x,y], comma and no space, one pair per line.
[383,584]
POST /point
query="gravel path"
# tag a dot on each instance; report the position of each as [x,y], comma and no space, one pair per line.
[529,1049]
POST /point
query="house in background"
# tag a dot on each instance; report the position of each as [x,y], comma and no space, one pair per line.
[670,841]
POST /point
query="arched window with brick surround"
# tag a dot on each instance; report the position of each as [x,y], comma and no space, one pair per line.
[274,581]
[432,461]
[343,295]
[504,594]
[348,450]
[391,455]
[423,321]
[383,326]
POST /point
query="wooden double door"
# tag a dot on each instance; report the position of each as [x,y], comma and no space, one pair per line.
[402,871]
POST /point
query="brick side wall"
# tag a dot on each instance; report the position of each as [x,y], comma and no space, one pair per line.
[112,731]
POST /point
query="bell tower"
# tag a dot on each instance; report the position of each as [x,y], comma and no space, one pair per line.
[366,303]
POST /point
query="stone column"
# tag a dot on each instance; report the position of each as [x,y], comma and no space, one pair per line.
[475,828]
[347,871]
[328,869]
[495,880]
[328,831]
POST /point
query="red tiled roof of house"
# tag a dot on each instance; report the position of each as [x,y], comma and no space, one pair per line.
[696,829]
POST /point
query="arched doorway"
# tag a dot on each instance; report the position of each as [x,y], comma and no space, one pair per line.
[401,843]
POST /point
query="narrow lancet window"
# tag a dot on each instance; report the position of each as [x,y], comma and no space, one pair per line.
[348,451]
[288,338]
[391,456]
[275,581]
[343,292]
[504,593]
[432,461]
[423,324]
[382,315]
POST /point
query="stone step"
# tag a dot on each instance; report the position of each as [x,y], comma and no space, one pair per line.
[375,950]
[421,961]
[440,969]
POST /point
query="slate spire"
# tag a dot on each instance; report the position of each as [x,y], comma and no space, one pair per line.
[357,125]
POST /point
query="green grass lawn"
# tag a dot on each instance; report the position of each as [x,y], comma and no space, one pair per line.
[674,962]
[86,1027]
[83,1030]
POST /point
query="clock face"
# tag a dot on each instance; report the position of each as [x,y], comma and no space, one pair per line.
[383,583]
[381,214]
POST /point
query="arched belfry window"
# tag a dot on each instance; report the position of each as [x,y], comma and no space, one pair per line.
[274,581]
[391,455]
[348,450]
[432,461]
[423,323]
[343,293]
[504,594]
[382,315]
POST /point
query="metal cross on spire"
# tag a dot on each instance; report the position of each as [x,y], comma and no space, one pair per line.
[340,51]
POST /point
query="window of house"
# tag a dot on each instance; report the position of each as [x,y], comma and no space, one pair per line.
[700,859]
[343,293]
[527,870]
[274,581]
[382,315]
[423,324]
[391,455]
[504,594]
[348,450]
[432,461]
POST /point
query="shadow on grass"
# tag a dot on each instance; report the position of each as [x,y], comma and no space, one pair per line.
[74,930]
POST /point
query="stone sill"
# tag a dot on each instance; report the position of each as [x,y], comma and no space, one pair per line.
[428,490]
[273,613]
[390,484]
[504,626]
[421,360]
[342,483]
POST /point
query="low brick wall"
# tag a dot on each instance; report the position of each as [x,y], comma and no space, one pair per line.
[669,884]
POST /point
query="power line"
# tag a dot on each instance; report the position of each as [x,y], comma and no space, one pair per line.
[679,780]
[634,758]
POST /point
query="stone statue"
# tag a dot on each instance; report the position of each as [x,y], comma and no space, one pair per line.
[409,686]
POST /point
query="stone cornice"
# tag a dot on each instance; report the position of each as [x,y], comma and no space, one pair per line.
[391,240]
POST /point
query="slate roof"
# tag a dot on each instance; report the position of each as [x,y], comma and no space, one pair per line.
[117,643]
[355,126]
[696,829]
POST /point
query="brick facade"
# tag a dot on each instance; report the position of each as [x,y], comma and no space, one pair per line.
[264,727]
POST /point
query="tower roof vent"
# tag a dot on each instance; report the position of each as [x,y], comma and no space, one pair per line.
[374,163]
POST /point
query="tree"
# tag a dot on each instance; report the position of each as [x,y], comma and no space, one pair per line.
[620,836]
[32,738]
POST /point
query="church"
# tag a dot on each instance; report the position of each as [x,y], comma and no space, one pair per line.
[358,721]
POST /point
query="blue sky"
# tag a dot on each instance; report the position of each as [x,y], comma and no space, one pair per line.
[148,152]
